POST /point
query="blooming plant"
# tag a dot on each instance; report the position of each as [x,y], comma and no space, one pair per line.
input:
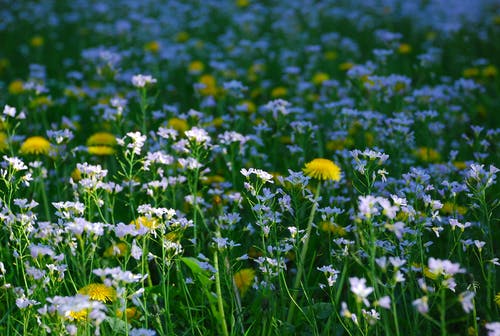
[249,168]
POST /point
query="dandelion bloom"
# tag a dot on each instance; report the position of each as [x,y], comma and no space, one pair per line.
[101,143]
[99,292]
[244,279]
[35,145]
[3,141]
[322,169]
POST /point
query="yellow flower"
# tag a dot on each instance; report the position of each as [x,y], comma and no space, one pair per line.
[346,66]
[80,315]
[3,141]
[279,92]
[319,78]
[35,145]
[332,228]
[330,55]
[497,299]
[180,125]
[182,36]
[427,154]
[131,313]
[4,64]
[249,106]
[101,143]
[116,250]
[489,71]
[470,72]
[242,3]
[150,223]
[209,85]
[76,175]
[16,87]
[244,279]
[37,41]
[322,169]
[196,67]
[40,101]
[404,48]
[152,46]
[460,165]
[450,208]
[99,292]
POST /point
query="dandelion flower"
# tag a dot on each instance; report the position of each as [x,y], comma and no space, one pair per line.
[3,141]
[322,169]
[244,279]
[35,145]
[16,87]
[150,223]
[180,125]
[101,143]
[116,250]
[99,292]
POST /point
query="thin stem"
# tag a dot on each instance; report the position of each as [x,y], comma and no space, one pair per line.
[219,295]
[303,254]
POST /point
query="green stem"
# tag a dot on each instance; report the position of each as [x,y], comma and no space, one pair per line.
[218,289]
[300,269]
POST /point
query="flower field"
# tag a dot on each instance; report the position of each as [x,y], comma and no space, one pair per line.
[244,167]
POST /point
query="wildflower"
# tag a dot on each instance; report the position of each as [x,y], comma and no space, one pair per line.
[322,169]
[142,332]
[99,292]
[141,81]
[182,36]
[37,41]
[16,87]
[152,46]
[180,125]
[467,300]
[116,250]
[427,154]
[195,67]
[319,78]
[422,304]
[3,141]
[207,85]
[358,287]
[279,92]
[404,48]
[493,328]
[243,279]
[35,145]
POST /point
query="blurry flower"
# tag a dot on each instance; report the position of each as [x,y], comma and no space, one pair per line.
[333,228]
[489,71]
[3,141]
[242,3]
[196,67]
[497,299]
[16,87]
[99,292]
[41,101]
[116,250]
[346,66]
[470,72]
[207,86]
[279,92]
[404,48]
[182,36]
[141,81]
[35,145]
[358,287]
[152,46]
[37,41]
[131,313]
[422,304]
[180,125]
[247,106]
[142,332]
[101,143]
[467,300]
[244,279]
[427,154]
[319,78]
[150,223]
[322,169]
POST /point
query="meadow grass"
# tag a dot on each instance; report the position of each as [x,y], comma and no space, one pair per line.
[249,168]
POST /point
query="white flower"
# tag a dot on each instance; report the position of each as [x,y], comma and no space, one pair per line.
[359,288]
[422,305]
[141,80]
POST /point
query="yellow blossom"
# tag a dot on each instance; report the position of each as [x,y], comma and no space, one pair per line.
[37,41]
[116,250]
[279,92]
[182,36]
[319,78]
[322,169]
[209,85]
[150,223]
[152,46]
[16,87]
[489,71]
[180,125]
[346,66]
[35,145]
[470,72]
[243,279]
[196,67]
[242,3]
[99,292]
[404,48]
[427,154]
[3,141]
[330,55]
[333,228]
